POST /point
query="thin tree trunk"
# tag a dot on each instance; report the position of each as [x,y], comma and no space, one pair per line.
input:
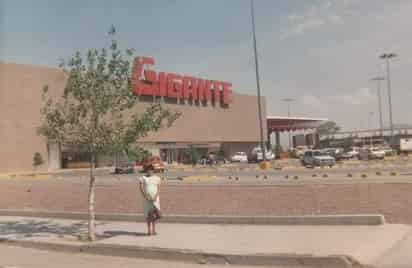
[116,165]
[92,236]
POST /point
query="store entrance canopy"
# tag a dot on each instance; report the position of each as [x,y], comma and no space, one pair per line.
[280,123]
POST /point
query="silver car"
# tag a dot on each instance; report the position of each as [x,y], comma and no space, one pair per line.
[316,158]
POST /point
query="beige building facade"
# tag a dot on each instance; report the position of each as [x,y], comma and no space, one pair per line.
[209,128]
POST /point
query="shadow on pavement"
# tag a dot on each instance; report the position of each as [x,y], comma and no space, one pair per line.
[116,233]
[36,228]
[33,227]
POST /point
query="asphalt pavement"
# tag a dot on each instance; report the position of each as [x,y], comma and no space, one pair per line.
[383,246]
[356,171]
[397,170]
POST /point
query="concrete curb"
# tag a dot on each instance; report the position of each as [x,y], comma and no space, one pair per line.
[191,256]
[367,219]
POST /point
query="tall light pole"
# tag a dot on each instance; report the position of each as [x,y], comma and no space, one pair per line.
[371,114]
[288,101]
[378,80]
[387,57]
[262,142]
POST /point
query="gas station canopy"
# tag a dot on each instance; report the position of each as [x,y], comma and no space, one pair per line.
[280,123]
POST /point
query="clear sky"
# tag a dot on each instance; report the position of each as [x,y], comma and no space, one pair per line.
[320,52]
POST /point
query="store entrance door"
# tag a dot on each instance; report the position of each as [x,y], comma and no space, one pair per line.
[169,155]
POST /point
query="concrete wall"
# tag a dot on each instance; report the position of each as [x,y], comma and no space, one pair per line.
[20,101]
[20,104]
[54,156]
[237,123]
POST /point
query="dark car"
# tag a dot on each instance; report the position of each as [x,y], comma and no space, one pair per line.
[124,167]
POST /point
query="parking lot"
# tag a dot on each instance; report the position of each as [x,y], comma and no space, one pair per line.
[286,189]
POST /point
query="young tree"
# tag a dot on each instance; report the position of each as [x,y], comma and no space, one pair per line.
[139,154]
[328,128]
[37,160]
[96,113]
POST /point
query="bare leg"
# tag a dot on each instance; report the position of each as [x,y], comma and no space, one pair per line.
[154,228]
[148,228]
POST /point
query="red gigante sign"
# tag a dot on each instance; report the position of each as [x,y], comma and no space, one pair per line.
[146,82]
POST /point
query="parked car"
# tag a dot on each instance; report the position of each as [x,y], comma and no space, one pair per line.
[317,158]
[388,151]
[371,153]
[299,151]
[124,167]
[212,159]
[270,155]
[154,162]
[257,155]
[334,152]
[352,153]
[239,157]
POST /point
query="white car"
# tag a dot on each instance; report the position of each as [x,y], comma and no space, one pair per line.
[239,157]
[353,153]
[257,155]
[269,155]
[371,153]
[378,153]
[299,151]
[388,151]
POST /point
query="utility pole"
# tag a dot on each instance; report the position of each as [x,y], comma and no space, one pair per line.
[288,101]
[262,141]
[387,57]
[371,114]
[378,80]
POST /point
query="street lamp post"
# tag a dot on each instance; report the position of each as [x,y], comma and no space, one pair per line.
[387,57]
[378,80]
[262,142]
[288,101]
[371,114]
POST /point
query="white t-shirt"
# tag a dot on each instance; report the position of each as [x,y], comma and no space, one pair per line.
[151,185]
